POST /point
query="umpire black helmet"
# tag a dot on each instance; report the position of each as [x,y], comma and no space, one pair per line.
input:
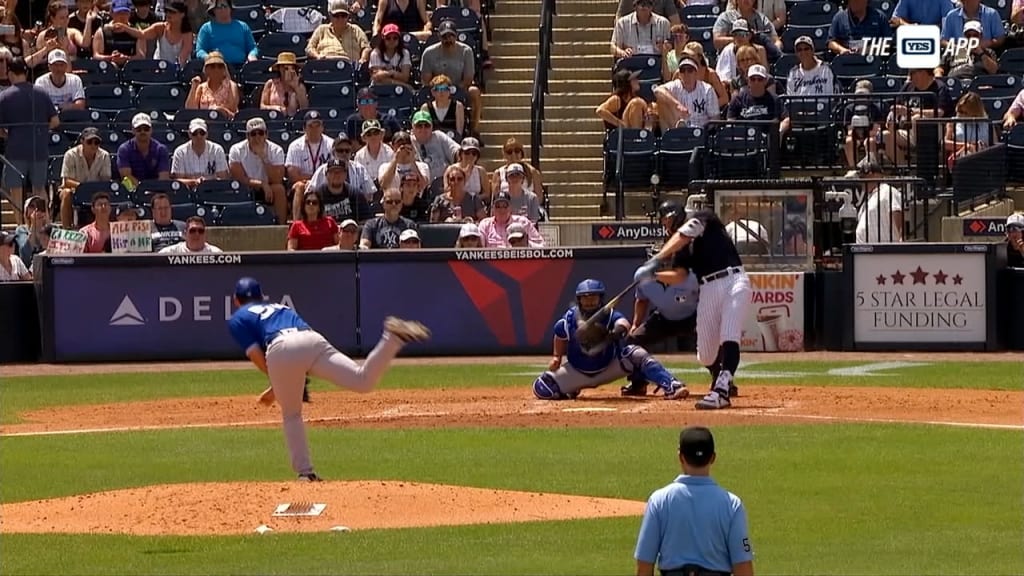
[672,215]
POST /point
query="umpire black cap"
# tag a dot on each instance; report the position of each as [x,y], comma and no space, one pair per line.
[696,445]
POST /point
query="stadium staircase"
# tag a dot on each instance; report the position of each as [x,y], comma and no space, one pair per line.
[571,161]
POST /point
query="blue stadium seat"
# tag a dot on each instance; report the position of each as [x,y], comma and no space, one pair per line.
[848,68]
[364,18]
[883,84]
[1015,154]
[811,14]
[699,15]
[83,194]
[813,136]
[150,73]
[95,72]
[331,71]
[996,85]
[1012,61]
[415,48]
[886,6]
[647,91]
[169,137]
[58,144]
[333,119]
[283,137]
[246,215]
[178,193]
[780,70]
[394,99]
[340,96]
[186,211]
[161,98]
[818,35]
[109,99]
[194,67]
[639,149]
[184,116]
[996,107]
[276,42]
[892,69]
[648,66]
[221,193]
[254,16]
[675,152]
[467,23]
[224,134]
[112,139]
[256,73]
[954,86]
[275,119]
[73,121]
[736,150]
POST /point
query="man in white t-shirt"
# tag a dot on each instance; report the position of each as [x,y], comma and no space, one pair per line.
[880,218]
[404,162]
[260,163]
[195,239]
[686,99]
[308,152]
[375,153]
[64,89]
[198,159]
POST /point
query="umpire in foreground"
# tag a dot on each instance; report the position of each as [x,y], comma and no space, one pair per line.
[694,527]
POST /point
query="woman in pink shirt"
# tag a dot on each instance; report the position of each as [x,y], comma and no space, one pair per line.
[98,232]
[494,230]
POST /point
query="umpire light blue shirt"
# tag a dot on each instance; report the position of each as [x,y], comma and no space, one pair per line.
[693,520]
[675,302]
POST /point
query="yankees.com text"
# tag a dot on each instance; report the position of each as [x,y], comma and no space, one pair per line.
[514,254]
[205,259]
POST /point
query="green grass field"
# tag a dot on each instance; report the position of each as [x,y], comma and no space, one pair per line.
[822,499]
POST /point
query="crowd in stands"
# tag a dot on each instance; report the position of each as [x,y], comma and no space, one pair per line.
[237,112]
[690,64]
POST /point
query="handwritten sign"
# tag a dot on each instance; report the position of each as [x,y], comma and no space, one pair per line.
[131,236]
[64,241]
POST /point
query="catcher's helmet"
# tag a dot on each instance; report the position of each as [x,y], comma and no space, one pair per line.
[586,288]
[672,215]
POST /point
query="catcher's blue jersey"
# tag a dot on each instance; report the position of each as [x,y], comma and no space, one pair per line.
[565,329]
[258,323]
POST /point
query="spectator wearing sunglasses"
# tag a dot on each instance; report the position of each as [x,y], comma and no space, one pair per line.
[366,102]
[195,239]
[390,62]
[339,38]
[447,114]
[314,229]
[260,163]
[199,159]
[358,178]
[385,230]
[142,157]
[85,162]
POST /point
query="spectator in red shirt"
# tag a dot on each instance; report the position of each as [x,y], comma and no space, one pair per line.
[98,232]
[314,231]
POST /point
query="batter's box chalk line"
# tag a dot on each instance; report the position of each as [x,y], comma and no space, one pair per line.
[299,509]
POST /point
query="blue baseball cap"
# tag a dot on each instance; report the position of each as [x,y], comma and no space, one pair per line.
[121,6]
[248,289]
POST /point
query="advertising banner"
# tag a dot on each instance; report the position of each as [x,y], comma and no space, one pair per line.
[920,297]
[161,308]
[775,321]
[642,232]
[985,226]
[131,236]
[487,301]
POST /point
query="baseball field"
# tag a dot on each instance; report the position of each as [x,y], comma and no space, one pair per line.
[847,463]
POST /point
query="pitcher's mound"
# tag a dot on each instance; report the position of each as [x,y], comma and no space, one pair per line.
[239,507]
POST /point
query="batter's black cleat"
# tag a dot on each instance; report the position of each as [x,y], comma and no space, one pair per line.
[406,330]
[634,389]
[311,477]
[305,391]
[733,390]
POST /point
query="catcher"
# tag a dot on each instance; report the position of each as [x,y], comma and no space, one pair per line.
[596,354]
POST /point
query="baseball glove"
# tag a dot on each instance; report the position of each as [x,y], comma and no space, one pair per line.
[591,337]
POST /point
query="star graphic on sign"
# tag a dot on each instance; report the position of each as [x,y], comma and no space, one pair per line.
[898,277]
[919,276]
[940,277]
[958,279]
[880,279]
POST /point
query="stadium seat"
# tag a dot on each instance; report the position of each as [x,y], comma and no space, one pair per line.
[112,139]
[467,23]
[73,121]
[813,137]
[886,6]
[954,86]
[648,66]
[95,72]
[675,153]
[699,15]
[150,73]
[178,193]
[638,157]
[186,211]
[1012,61]
[254,16]
[109,99]
[333,119]
[168,99]
[818,35]
[169,137]
[83,194]
[996,85]
[996,107]
[1001,6]
[415,48]
[364,18]
[394,99]
[810,14]
[256,73]
[736,150]
[224,134]
[246,215]
[58,143]
[338,96]
[848,68]
[194,67]
[1015,154]
[893,70]
[276,42]
[780,70]
[283,137]
[220,193]
[882,84]
[275,119]
[183,117]
[328,72]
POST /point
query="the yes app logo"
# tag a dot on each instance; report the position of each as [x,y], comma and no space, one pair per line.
[917,46]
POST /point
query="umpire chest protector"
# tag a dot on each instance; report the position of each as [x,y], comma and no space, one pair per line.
[711,251]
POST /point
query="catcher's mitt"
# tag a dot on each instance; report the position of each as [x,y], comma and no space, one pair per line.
[592,337]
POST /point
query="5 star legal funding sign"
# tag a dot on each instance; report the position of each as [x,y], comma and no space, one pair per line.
[919,298]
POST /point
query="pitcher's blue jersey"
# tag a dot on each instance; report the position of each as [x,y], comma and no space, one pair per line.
[565,329]
[258,323]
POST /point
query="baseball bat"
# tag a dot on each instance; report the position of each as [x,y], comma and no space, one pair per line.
[607,308]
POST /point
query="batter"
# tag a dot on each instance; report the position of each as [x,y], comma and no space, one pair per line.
[280,343]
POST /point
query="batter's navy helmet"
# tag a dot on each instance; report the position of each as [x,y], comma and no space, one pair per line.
[590,286]
[248,289]
[674,213]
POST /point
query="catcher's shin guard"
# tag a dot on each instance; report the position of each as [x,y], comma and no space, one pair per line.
[545,388]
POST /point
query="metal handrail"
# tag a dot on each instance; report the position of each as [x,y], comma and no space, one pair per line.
[542,67]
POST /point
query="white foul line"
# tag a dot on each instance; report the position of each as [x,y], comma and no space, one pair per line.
[882,420]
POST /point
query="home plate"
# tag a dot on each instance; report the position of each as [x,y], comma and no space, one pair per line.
[589,410]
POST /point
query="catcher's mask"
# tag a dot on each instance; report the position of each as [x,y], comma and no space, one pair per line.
[672,216]
[590,287]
